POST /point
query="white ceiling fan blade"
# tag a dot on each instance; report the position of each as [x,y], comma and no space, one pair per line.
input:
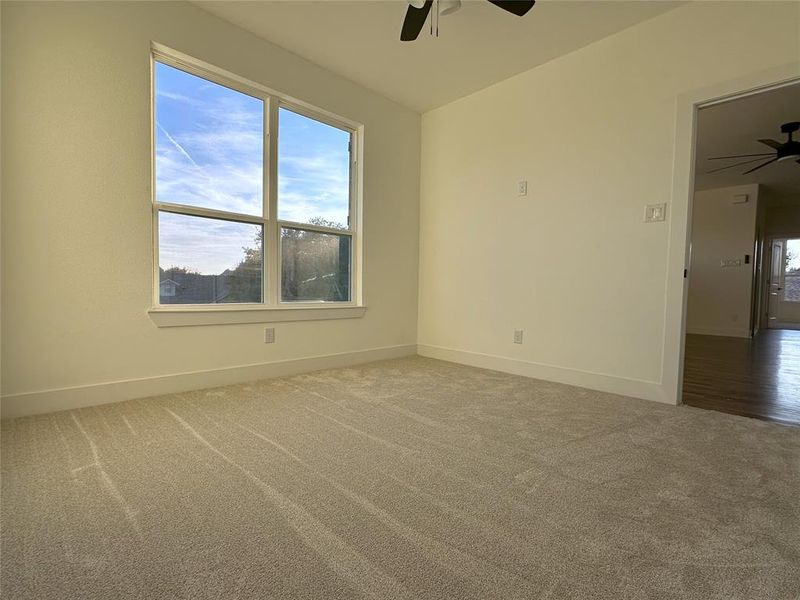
[447,7]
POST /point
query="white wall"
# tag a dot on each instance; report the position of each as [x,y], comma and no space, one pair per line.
[720,298]
[76,220]
[594,133]
[783,220]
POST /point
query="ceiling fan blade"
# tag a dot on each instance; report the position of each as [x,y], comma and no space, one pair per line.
[739,164]
[772,144]
[414,21]
[515,7]
[740,156]
[761,166]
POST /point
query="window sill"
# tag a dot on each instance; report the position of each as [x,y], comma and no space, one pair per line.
[187,316]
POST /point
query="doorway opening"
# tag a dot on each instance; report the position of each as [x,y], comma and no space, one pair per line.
[783,284]
[742,343]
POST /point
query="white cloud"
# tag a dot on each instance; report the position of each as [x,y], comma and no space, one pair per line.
[313,186]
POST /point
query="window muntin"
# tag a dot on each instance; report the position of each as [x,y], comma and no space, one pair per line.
[240,207]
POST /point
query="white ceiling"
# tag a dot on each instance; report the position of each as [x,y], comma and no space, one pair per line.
[735,127]
[477,46]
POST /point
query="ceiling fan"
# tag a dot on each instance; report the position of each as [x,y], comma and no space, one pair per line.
[418,11]
[788,150]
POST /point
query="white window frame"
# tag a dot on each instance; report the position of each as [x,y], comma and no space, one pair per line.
[272,307]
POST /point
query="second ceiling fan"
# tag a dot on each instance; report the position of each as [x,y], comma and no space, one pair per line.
[418,11]
[788,150]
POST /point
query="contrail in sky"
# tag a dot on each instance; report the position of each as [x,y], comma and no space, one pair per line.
[177,145]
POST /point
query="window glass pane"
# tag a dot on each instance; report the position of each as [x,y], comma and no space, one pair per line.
[315,266]
[208,261]
[313,171]
[209,144]
[791,284]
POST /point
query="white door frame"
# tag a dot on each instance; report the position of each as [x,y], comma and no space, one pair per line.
[678,251]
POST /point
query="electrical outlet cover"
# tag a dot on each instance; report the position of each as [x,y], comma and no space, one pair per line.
[655,212]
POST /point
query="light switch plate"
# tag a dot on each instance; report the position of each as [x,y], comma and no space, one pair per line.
[522,188]
[655,212]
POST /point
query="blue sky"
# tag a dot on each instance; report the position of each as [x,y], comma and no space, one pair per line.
[209,153]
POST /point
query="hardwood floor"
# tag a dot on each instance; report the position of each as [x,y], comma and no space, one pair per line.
[757,377]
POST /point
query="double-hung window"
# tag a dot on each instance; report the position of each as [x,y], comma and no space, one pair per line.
[254,195]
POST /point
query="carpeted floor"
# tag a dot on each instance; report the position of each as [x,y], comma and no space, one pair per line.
[409,478]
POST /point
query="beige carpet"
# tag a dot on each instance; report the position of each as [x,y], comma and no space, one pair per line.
[410,478]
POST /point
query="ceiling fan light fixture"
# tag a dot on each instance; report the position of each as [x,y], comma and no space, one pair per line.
[447,7]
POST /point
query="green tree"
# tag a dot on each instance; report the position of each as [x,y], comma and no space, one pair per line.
[791,256]
[173,271]
[245,279]
[315,266]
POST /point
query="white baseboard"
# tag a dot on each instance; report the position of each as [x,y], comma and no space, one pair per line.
[740,333]
[647,390]
[31,403]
